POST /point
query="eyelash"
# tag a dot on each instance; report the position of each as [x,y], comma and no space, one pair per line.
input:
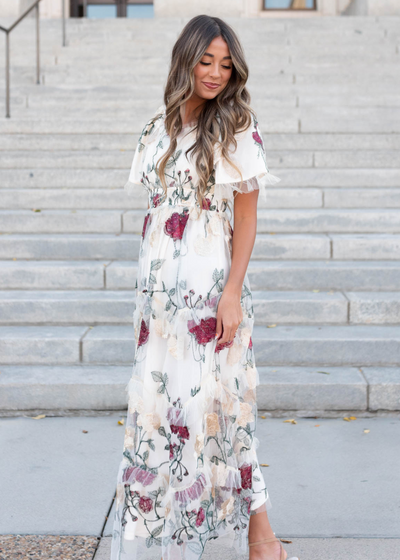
[208,64]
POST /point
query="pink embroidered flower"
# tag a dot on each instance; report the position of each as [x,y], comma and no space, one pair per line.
[146,220]
[144,333]
[250,344]
[246,473]
[136,473]
[175,225]
[200,517]
[145,504]
[205,331]
[257,138]
[220,347]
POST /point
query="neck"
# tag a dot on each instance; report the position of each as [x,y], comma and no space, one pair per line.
[191,109]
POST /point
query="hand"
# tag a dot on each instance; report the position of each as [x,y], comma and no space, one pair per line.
[229,316]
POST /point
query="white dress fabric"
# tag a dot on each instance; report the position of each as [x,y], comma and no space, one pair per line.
[189,470]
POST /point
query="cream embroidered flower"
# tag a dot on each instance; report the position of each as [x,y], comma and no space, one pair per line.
[120,494]
[154,237]
[228,406]
[246,414]
[234,354]
[245,335]
[204,246]
[176,347]
[250,396]
[159,327]
[214,224]
[212,424]
[199,445]
[136,403]
[128,442]
[149,421]
[251,376]
[227,508]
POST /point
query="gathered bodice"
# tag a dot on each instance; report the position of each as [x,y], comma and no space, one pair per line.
[180,172]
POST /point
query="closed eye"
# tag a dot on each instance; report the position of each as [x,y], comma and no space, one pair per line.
[208,64]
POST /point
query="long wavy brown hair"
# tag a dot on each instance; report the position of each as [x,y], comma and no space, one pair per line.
[221,117]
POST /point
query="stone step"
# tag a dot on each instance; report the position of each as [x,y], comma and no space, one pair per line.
[346,120]
[94,387]
[290,178]
[291,275]
[269,221]
[291,97]
[125,246]
[116,307]
[319,220]
[116,198]
[120,159]
[379,276]
[349,345]
[109,142]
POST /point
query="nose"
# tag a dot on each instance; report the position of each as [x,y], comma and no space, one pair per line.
[215,71]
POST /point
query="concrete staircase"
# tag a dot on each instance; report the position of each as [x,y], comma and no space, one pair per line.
[325,269]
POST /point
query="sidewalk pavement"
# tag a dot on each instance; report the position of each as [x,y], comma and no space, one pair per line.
[334,486]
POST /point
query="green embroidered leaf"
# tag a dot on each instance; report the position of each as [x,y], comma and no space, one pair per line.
[156,531]
[152,279]
[156,264]
[162,432]
[145,455]
[157,376]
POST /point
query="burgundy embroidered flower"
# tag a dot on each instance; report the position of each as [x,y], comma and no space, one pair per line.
[175,225]
[206,203]
[205,331]
[182,431]
[200,517]
[171,450]
[248,500]
[250,344]
[144,333]
[146,220]
[220,347]
[156,200]
[145,504]
[246,475]
[257,138]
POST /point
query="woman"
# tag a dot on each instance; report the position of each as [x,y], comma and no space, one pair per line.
[189,471]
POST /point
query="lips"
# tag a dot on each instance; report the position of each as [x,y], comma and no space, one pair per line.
[210,85]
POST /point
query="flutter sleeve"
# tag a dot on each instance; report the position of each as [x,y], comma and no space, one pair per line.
[250,158]
[147,136]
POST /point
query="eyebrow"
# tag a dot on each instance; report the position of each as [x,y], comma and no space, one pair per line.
[209,54]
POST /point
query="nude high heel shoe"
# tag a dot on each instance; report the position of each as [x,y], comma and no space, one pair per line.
[271,539]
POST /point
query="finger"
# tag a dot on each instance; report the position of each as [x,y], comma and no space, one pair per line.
[218,331]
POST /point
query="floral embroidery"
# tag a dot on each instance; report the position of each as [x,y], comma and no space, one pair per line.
[189,469]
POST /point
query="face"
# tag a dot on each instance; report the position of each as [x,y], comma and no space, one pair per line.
[214,69]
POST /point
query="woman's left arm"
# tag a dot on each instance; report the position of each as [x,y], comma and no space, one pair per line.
[229,312]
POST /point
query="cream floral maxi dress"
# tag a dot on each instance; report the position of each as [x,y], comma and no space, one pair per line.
[189,469]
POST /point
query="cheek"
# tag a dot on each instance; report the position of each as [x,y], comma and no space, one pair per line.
[200,71]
